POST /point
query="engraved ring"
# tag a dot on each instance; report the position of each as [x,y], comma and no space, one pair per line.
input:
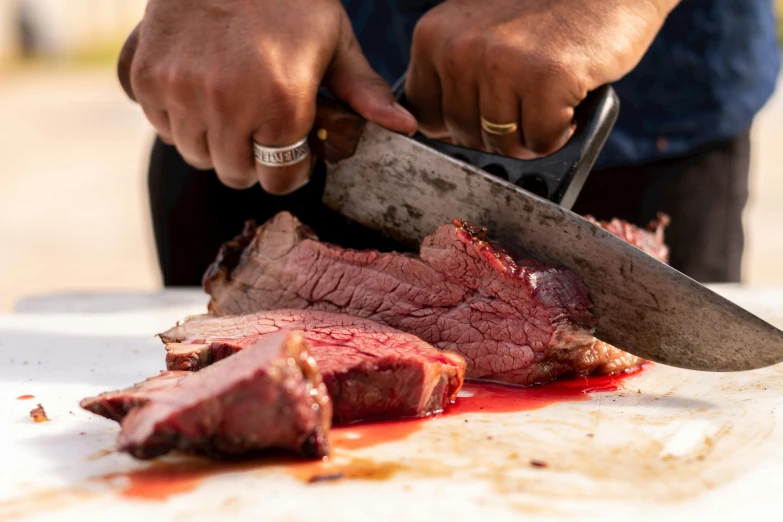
[498,129]
[281,156]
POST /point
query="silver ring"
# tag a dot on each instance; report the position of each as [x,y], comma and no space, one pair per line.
[281,156]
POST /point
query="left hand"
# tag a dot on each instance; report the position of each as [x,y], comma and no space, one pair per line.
[529,62]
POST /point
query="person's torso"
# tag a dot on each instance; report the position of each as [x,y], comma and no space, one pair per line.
[711,68]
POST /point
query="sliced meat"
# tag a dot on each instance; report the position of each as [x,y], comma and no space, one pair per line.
[650,241]
[269,396]
[596,358]
[511,319]
[371,371]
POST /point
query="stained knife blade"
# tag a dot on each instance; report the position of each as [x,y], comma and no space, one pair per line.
[405,189]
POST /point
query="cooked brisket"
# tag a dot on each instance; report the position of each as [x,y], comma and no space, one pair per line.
[514,320]
[269,396]
[650,240]
[371,371]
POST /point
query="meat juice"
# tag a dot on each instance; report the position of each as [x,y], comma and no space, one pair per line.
[159,482]
[498,398]
[479,397]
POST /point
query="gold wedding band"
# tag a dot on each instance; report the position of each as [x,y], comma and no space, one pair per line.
[499,129]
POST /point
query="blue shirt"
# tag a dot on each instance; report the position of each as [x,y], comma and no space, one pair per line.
[709,71]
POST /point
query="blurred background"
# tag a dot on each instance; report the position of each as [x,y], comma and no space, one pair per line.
[72,186]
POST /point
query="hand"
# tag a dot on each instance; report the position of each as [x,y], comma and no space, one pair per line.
[529,62]
[213,76]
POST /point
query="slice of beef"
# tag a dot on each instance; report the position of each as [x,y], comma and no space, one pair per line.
[650,240]
[269,396]
[371,371]
[514,320]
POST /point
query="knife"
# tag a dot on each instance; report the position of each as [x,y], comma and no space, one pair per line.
[405,187]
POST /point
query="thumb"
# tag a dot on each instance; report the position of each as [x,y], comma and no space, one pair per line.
[352,80]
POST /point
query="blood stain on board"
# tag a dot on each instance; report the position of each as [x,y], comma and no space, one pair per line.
[353,468]
[479,398]
[40,502]
[365,435]
[26,397]
[162,480]
[499,398]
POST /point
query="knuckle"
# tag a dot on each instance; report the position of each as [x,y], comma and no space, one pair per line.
[572,86]
[498,57]
[552,75]
[178,82]
[424,32]
[456,50]
[580,86]
[219,91]
[546,66]
[281,92]
[286,114]
[143,78]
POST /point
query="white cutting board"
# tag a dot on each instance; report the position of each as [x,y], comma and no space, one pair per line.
[674,445]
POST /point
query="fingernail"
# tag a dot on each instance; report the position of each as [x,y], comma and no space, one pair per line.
[402,111]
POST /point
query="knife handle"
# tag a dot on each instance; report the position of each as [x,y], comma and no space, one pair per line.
[558,177]
[336,131]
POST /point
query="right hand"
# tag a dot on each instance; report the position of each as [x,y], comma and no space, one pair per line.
[213,76]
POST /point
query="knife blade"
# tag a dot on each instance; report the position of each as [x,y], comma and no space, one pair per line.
[406,189]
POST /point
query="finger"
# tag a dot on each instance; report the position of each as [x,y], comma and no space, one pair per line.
[284,122]
[231,151]
[460,106]
[351,79]
[159,119]
[499,103]
[546,123]
[143,86]
[286,179]
[423,92]
[125,61]
[191,141]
